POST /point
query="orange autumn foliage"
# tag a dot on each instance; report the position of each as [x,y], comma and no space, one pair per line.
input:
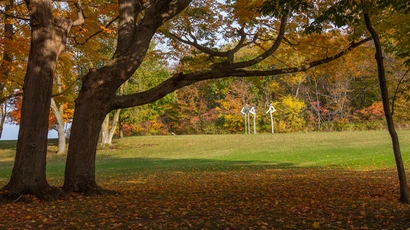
[15,114]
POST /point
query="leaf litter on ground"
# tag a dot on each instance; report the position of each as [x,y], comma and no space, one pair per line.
[293,198]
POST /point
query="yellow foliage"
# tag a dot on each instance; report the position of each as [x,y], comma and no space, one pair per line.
[247,10]
[293,105]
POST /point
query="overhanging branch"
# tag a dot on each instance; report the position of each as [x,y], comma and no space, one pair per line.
[180,80]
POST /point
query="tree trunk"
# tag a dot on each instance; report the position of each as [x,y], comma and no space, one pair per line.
[404,193]
[121,128]
[3,115]
[29,171]
[105,130]
[58,114]
[113,126]
[48,40]
[89,115]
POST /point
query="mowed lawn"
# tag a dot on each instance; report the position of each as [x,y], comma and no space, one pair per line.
[338,180]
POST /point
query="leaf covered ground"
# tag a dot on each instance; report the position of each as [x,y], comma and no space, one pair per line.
[241,198]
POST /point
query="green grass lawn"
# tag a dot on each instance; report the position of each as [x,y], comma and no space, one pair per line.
[338,180]
[348,150]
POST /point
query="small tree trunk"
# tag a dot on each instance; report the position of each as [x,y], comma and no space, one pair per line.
[58,114]
[105,130]
[121,128]
[3,117]
[113,126]
[7,59]
[404,193]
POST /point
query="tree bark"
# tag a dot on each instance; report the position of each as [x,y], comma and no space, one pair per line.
[100,86]
[88,118]
[404,193]
[29,171]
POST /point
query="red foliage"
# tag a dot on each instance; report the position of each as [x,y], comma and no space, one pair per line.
[371,113]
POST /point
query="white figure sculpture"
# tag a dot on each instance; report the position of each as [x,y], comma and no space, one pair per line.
[271,110]
[245,110]
[253,112]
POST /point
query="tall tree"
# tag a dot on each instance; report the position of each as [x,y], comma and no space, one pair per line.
[138,23]
[48,39]
[349,13]
[404,190]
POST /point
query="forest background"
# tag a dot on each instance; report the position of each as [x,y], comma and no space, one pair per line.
[341,95]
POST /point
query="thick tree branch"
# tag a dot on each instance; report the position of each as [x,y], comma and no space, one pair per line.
[126,32]
[80,15]
[170,8]
[154,15]
[180,80]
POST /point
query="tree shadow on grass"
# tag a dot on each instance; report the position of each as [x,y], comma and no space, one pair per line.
[111,164]
[11,144]
[8,144]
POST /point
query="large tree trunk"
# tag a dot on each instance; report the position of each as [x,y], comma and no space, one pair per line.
[404,193]
[29,171]
[48,40]
[89,115]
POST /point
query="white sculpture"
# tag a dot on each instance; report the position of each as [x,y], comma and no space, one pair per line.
[253,112]
[245,110]
[271,110]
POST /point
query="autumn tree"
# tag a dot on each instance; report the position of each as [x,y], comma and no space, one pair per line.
[352,13]
[48,39]
[138,23]
[14,44]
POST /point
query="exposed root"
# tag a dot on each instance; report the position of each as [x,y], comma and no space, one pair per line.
[30,195]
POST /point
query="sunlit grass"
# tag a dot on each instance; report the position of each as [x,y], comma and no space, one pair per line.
[349,150]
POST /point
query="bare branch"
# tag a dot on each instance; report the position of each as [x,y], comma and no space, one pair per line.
[100,31]
[14,16]
[8,97]
[396,92]
[65,90]
[263,56]
[198,46]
